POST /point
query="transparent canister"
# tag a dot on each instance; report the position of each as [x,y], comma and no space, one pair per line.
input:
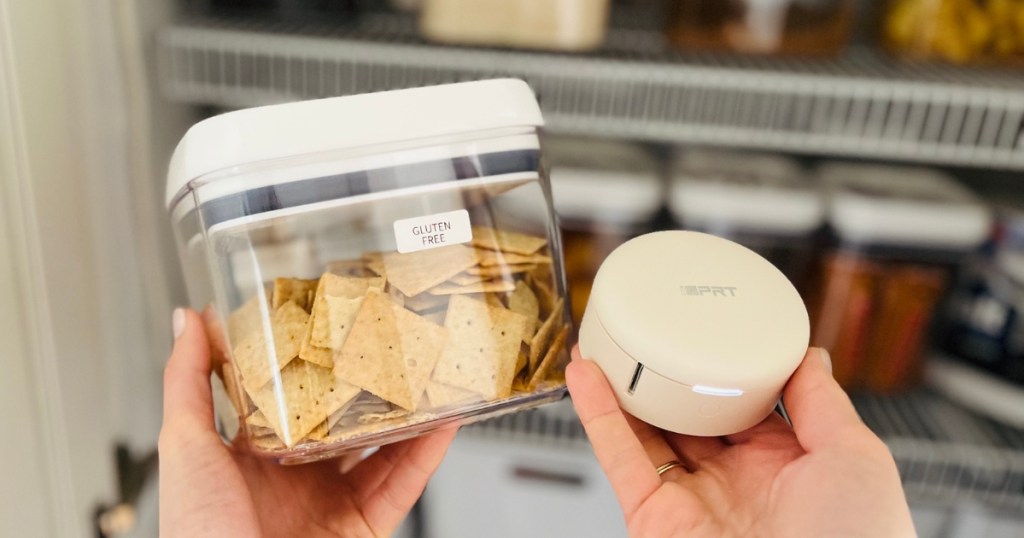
[791,27]
[570,25]
[605,193]
[980,32]
[764,202]
[985,316]
[899,234]
[362,268]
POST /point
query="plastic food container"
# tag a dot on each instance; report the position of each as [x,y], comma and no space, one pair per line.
[406,5]
[900,233]
[958,31]
[986,312]
[363,275]
[797,27]
[540,24]
[605,193]
[296,10]
[764,202]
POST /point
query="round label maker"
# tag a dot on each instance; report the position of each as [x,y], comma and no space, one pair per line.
[696,334]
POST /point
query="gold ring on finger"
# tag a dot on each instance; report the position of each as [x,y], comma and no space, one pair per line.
[669,465]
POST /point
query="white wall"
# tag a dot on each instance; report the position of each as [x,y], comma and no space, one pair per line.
[86,276]
[23,461]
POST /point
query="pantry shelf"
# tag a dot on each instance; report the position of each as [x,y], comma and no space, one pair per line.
[635,87]
[945,454]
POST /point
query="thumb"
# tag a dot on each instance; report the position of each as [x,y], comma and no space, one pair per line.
[821,412]
[187,392]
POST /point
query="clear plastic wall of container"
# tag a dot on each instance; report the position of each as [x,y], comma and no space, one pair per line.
[764,202]
[959,31]
[985,325]
[796,27]
[368,294]
[604,193]
[900,234]
[572,25]
[192,253]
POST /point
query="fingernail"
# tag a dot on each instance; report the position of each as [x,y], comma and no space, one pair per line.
[178,322]
[826,359]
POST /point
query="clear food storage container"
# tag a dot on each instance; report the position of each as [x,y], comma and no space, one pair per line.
[795,27]
[958,31]
[572,25]
[290,10]
[899,235]
[764,202]
[985,324]
[605,193]
[364,273]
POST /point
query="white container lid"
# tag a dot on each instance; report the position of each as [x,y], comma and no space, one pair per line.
[338,123]
[605,182]
[746,191]
[902,206]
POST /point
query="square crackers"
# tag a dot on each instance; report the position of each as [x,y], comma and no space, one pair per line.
[482,348]
[388,340]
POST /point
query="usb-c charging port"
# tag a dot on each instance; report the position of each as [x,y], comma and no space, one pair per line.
[636,378]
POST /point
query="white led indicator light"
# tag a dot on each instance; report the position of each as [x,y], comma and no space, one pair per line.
[715,391]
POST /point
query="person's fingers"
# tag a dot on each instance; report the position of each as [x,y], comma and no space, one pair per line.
[620,453]
[694,450]
[401,488]
[369,474]
[187,393]
[217,336]
[653,441]
[773,426]
[821,412]
[348,461]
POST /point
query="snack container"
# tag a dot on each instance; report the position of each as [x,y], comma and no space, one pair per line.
[766,203]
[287,10]
[406,5]
[790,27]
[362,269]
[981,32]
[899,236]
[571,25]
[985,325]
[605,193]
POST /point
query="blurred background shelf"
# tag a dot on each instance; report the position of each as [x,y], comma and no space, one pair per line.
[636,87]
[946,454]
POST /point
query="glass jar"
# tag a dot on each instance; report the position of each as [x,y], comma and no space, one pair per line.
[797,27]
[362,269]
[957,31]
[572,25]
[899,234]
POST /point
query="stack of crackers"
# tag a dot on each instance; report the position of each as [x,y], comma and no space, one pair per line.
[389,340]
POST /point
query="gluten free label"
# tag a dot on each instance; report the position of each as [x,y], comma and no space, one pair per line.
[432,231]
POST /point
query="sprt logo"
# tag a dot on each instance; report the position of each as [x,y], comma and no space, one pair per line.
[700,291]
